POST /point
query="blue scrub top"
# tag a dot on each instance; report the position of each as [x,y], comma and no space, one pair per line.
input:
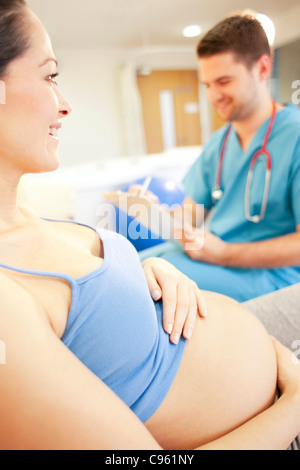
[228,219]
[283,210]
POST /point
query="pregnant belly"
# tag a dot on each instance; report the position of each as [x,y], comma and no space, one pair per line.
[227,376]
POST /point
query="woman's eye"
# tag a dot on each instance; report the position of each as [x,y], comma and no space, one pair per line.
[52,77]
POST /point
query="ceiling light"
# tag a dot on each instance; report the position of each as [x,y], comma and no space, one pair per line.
[192,31]
[268,26]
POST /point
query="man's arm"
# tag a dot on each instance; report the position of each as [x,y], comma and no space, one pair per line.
[275,253]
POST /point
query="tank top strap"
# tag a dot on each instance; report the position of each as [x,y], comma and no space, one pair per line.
[32,272]
[65,277]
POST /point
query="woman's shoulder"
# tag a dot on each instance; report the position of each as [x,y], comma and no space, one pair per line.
[38,377]
[17,304]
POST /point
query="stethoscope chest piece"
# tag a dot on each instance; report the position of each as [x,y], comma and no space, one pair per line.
[216,194]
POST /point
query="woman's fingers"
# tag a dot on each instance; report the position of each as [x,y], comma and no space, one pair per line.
[201,304]
[181,316]
[153,285]
[191,316]
[182,299]
[169,297]
[181,307]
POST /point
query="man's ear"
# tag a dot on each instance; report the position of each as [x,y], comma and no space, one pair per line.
[264,67]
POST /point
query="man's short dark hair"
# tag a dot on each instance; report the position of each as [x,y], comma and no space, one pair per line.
[243,35]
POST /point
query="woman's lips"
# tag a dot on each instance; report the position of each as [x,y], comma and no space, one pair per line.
[54,130]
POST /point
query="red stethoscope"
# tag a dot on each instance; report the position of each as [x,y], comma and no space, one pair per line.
[217,192]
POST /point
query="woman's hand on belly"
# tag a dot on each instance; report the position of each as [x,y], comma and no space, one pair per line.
[227,376]
[182,299]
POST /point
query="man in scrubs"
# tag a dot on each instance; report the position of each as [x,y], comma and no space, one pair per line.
[238,257]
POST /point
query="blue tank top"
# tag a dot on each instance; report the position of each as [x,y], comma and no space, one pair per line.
[115,328]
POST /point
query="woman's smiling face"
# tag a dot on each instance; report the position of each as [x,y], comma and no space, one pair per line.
[33,109]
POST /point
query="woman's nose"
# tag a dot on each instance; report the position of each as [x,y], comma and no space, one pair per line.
[64,106]
[65,112]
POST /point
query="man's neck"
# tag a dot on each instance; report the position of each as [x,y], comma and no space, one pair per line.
[247,128]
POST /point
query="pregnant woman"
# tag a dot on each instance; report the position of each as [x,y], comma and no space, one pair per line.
[89,360]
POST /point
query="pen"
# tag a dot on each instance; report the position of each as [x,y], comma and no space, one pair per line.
[145,186]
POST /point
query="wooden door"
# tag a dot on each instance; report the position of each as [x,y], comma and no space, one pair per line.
[217,122]
[183,84]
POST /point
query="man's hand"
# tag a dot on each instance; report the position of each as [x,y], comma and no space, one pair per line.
[135,190]
[182,299]
[202,246]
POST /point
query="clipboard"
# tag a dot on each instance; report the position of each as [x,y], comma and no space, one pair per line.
[157,218]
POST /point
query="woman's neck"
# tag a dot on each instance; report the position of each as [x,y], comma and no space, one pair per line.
[11,215]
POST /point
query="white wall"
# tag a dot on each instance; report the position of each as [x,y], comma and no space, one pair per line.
[89,80]
[106,121]
[289,71]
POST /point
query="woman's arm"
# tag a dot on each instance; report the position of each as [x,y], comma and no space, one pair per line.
[48,398]
[273,429]
[277,427]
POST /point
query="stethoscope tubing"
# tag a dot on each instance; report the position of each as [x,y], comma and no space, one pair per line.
[262,152]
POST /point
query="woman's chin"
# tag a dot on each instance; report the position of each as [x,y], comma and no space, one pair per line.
[47,165]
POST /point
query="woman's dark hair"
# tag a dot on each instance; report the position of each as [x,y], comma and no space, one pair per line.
[13,38]
[242,35]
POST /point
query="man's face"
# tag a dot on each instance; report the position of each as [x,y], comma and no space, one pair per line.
[233,89]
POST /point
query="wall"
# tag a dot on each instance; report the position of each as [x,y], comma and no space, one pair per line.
[288,70]
[89,80]
[100,85]
[106,118]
